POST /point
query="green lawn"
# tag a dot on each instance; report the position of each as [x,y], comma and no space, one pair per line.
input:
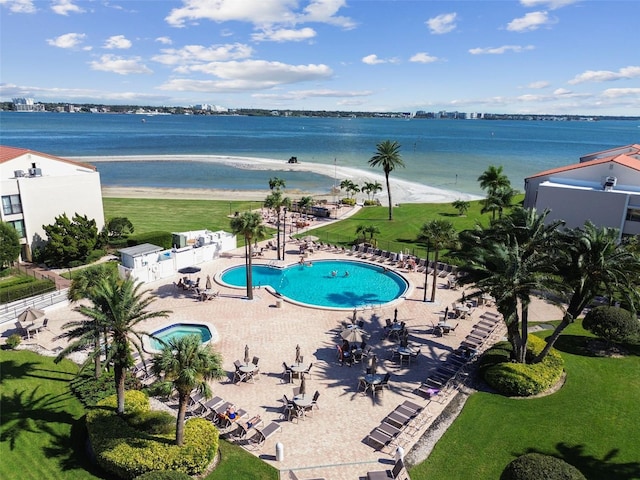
[42,426]
[591,423]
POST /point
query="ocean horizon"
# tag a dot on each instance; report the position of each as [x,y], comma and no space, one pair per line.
[444,154]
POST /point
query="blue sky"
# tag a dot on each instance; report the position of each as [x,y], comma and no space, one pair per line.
[508,56]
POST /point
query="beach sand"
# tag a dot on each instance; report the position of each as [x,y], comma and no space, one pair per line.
[402,191]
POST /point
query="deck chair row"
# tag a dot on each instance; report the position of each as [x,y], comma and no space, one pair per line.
[406,419]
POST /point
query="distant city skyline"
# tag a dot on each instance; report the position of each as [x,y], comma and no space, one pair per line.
[556,57]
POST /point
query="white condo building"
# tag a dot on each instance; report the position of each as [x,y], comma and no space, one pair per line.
[35,188]
[604,188]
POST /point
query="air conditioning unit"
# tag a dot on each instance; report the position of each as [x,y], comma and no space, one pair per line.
[610,182]
[35,172]
[18,173]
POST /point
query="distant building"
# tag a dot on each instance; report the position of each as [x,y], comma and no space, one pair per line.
[604,188]
[27,105]
[35,188]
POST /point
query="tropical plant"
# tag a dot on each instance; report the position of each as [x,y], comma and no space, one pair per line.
[388,157]
[350,187]
[439,234]
[188,365]
[305,203]
[499,191]
[462,206]
[370,230]
[493,178]
[277,201]
[371,188]
[249,225]
[9,245]
[118,308]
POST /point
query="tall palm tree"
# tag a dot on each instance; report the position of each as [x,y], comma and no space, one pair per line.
[498,187]
[371,188]
[592,262]
[439,234]
[249,225]
[277,201]
[119,307]
[349,186]
[388,157]
[188,365]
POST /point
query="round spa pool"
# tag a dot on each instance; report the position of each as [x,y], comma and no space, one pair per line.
[179,330]
[339,284]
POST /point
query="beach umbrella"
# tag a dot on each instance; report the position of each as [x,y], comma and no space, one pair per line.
[189,270]
[353,335]
[297,353]
[30,315]
[246,354]
[303,385]
[208,284]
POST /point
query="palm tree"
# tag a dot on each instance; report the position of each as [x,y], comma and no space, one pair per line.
[349,186]
[119,307]
[592,262]
[462,206]
[371,188]
[439,234]
[86,333]
[388,157]
[249,225]
[277,201]
[187,365]
[498,187]
[305,203]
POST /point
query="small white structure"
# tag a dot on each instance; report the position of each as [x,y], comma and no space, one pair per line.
[148,263]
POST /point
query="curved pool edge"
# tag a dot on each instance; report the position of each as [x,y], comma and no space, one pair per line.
[401,298]
[146,341]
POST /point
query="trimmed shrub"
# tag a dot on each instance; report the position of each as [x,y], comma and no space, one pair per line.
[26,289]
[523,380]
[536,466]
[348,201]
[613,324]
[163,475]
[499,353]
[127,452]
[13,341]
[91,390]
[154,422]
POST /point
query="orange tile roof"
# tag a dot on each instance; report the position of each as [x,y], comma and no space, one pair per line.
[9,153]
[627,159]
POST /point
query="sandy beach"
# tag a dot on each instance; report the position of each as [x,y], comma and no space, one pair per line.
[402,191]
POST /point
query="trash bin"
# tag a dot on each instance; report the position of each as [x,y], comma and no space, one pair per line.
[399,453]
[278,303]
[279,452]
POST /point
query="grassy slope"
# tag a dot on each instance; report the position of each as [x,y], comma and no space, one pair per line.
[591,423]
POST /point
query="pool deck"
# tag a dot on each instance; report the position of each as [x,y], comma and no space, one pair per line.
[329,444]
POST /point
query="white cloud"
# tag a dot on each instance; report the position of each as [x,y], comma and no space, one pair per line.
[444,23]
[624,73]
[120,65]
[259,13]
[193,54]
[373,59]
[531,21]
[305,94]
[68,40]
[562,91]
[19,6]
[550,4]
[65,7]
[622,92]
[284,35]
[119,42]
[500,50]
[539,84]
[164,40]
[423,57]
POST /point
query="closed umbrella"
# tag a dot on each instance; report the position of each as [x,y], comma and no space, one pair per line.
[246,354]
[303,385]
[297,353]
[30,315]
[208,284]
[373,365]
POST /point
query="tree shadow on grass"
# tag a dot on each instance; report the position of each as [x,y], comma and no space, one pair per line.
[594,468]
[575,345]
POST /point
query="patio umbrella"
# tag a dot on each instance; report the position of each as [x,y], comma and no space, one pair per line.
[30,315]
[373,364]
[297,353]
[208,284]
[353,335]
[189,270]
[303,385]
[246,354]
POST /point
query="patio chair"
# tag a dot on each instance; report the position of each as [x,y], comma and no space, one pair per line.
[243,429]
[287,372]
[395,473]
[238,375]
[314,402]
[307,372]
[383,384]
[264,434]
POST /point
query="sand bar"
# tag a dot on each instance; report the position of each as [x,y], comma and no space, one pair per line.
[402,191]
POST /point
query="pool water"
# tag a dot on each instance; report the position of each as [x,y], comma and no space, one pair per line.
[180,330]
[365,284]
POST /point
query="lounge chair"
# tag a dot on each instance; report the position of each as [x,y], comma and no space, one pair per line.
[264,434]
[397,472]
[293,476]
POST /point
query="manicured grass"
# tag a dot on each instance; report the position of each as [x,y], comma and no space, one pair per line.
[42,426]
[590,423]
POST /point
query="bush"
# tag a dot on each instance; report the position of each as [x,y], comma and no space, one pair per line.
[26,289]
[163,475]
[499,353]
[153,422]
[91,390]
[95,255]
[128,452]
[348,201]
[612,324]
[13,341]
[536,466]
[525,379]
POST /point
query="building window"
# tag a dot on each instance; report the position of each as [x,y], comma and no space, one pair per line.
[633,215]
[19,226]
[11,204]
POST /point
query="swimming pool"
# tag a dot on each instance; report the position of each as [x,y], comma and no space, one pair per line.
[179,330]
[325,283]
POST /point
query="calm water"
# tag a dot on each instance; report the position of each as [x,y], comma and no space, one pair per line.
[449,154]
[366,285]
[179,330]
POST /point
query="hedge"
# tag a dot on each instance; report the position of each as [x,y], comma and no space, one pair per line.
[162,239]
[26,289]
[536,466]
[127,452]
[523,380]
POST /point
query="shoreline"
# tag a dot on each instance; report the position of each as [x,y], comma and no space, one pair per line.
[402,191]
